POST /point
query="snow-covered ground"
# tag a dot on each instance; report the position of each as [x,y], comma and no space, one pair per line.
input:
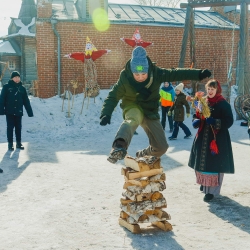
[61,192]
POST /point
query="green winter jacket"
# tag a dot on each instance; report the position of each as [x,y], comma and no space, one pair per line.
[124,89]
[179,113]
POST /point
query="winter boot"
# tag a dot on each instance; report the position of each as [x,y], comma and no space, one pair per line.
[172,138]
[19,145]
[10,146]
[1,171]
[119,151]
[141,153]
[208,197]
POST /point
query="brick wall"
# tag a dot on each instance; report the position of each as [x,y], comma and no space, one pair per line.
[46,60]
[44,8]
[213,51]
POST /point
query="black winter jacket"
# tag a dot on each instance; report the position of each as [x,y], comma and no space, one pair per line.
[13,98]
[201,158]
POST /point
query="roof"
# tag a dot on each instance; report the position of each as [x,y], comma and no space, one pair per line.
[27,11]
[23,30]
[9,48]
[156,15]
[144,15]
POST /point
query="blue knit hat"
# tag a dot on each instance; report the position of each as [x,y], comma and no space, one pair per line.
[139,61]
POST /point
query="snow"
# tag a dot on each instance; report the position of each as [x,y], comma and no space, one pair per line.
[24,29]
[6,47]
[62,193]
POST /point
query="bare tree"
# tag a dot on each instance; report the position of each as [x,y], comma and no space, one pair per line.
[166,3]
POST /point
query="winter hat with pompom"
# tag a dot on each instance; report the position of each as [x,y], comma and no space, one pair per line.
[139,61]
[179,87]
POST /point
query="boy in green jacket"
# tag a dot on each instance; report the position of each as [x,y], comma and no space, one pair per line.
[138,88]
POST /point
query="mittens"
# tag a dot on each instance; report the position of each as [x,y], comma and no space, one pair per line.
[210,121]
[196,123]
[169,113]
[105,119]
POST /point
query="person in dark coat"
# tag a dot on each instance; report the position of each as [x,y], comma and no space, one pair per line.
[179,113]
[13,98]
[211,154]
[138,88]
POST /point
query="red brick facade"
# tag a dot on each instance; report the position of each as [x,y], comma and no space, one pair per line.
[44,8]
[213,50]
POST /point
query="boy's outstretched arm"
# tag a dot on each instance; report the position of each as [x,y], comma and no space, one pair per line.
[180,74]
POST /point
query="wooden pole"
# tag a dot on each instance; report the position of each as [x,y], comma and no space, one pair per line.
[185,37]
[68,100]
[212,3]
[63,98]
[84,96]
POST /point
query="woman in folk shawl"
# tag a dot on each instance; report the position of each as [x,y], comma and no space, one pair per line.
[211,154]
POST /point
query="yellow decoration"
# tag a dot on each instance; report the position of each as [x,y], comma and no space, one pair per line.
[90,47]
[100,19]
[200,102]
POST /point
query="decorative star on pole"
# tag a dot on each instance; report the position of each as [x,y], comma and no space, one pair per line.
[136,40]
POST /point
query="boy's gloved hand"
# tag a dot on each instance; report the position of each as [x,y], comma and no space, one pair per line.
[105,119]
[169,113]
[188,115]
[196,123]
[210,121]
[204,74]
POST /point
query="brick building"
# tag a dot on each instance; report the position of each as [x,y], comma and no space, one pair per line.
[61,27]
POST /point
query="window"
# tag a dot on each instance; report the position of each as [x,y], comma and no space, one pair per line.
[12,65]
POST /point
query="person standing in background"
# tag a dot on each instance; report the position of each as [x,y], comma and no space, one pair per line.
[179,114]
[167,95]
[13,98]
[211,154]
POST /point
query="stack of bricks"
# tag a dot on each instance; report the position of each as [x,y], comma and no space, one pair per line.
[143,201]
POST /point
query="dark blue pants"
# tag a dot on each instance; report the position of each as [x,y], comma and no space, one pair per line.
[14,121]
[164,113]
[184,128]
